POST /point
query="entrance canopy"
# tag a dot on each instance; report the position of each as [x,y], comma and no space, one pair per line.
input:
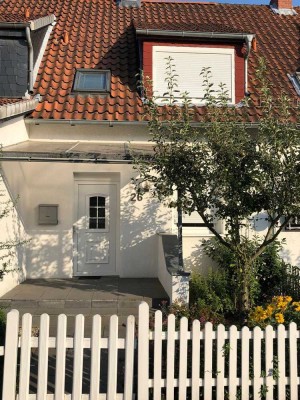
[75,151]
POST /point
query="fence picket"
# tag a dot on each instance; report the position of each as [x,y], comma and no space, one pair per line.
[195,359]
[95,358]
[208,358]
[220,361]
[245,363]
[257,336]
[25,356]
[10,356]
[143,352]
[269,361]
[170,357]
[60,369]
[233,362]
[112,358]
[43,357]
[183,358]
[281,362]
[157,355]
[293,361]
[129,358]
[78,357]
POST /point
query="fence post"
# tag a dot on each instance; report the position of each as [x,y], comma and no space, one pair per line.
[95,357]
[129,358]
[43,357]
[112,358]
[257,336]
[10,356]
[143,352]
[60,367]
[293,361]
[157,355]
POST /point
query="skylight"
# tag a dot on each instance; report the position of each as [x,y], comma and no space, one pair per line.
[92,81]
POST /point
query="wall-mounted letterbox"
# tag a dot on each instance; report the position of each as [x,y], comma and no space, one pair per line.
[48,214]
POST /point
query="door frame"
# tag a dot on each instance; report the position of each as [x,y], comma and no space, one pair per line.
[96,178]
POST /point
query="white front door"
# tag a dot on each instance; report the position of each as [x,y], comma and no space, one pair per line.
[95,230]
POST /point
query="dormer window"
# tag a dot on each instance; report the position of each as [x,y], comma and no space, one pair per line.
[189,62]
[92,81]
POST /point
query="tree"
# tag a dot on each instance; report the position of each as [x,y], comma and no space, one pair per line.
[223,169]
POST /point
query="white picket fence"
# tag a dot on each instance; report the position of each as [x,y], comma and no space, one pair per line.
[174,364]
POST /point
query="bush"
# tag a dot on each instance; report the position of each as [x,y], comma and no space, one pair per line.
[270,278]
[213,291]
[191,312]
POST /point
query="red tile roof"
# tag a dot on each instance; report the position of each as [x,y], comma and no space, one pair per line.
[101,34]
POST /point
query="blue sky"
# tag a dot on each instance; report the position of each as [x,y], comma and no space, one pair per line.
[295,2]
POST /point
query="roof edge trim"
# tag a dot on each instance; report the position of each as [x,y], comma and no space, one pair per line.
[41,22]
[14,109]
[33,24]
[208,35]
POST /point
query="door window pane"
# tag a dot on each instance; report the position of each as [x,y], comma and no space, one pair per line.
[97,212]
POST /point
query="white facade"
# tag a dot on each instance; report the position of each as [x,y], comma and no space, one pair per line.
[131,229]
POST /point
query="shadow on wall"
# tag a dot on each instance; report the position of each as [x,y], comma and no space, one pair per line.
[198,261]
[140,223]
[50,254]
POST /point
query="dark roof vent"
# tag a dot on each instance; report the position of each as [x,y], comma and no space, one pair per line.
[130,3]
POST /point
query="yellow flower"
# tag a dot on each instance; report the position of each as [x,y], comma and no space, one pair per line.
[279,318]
[296,304]
[269,310]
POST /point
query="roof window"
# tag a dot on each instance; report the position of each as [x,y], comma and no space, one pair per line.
[92,81]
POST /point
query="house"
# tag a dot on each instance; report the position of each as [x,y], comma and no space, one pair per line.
[70,106]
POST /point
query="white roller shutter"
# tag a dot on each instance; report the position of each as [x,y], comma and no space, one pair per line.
[189,61]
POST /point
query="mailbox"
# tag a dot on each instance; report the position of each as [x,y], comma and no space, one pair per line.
[48,214]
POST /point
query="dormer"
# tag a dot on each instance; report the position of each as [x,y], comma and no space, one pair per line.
[224,49]
[23,39]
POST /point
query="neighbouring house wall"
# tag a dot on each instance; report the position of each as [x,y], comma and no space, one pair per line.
[11,230]
[13,131]
[11,227]
[196,260]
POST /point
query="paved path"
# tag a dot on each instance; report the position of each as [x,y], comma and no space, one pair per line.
[105,296]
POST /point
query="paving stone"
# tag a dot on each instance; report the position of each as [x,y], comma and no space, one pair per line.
[77,304]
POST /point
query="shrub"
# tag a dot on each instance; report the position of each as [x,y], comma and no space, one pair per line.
[213,291]
[191,312]
[270,278]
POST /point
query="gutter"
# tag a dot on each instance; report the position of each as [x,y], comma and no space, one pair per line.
[111,124]
[73,160]
[191,34]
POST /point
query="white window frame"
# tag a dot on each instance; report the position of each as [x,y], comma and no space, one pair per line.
[199,50]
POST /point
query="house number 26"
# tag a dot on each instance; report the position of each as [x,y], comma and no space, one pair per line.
[136,197]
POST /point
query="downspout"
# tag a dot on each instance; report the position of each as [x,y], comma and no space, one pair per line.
[248,40]
[180,239]
[30,69]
